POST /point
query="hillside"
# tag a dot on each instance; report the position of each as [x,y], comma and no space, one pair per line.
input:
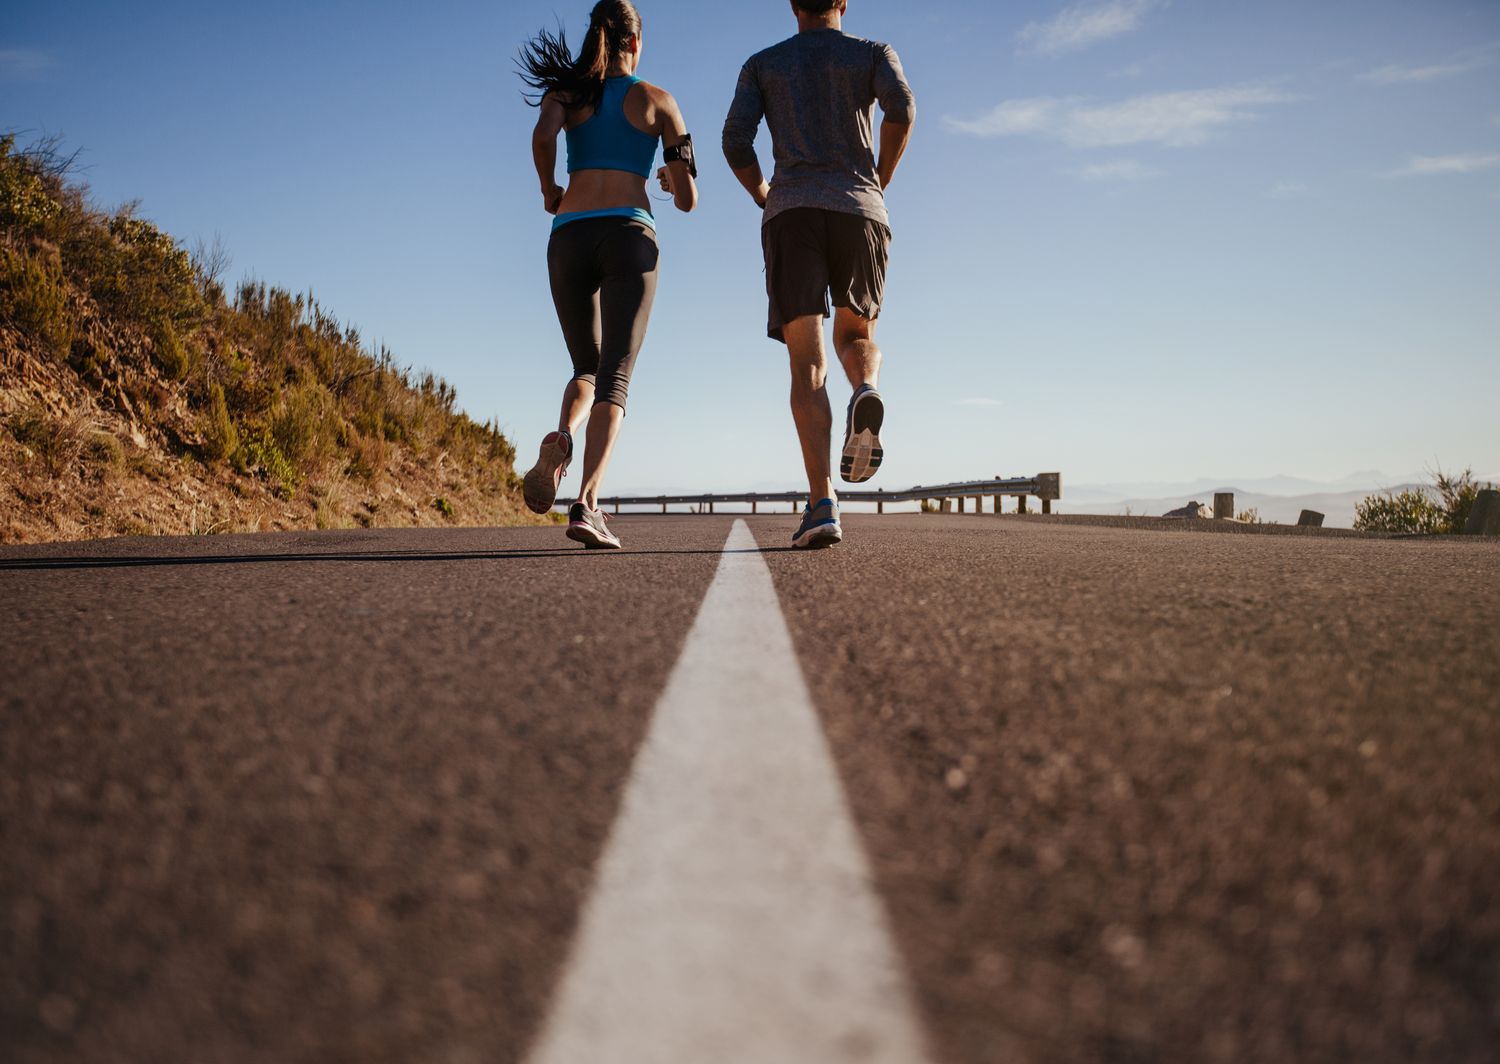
[138,398]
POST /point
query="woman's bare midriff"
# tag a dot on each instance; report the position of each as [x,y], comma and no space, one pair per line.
[597,190]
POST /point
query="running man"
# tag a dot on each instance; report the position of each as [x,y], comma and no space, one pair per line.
[825,227]
[602,257]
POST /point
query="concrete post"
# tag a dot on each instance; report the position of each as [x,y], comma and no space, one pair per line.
[979,504]
[1484,518]
[880,503]
[1310,519]
[960,504]
[1223,505]
[752,505]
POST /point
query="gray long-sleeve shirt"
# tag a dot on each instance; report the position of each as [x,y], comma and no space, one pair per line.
[817,92]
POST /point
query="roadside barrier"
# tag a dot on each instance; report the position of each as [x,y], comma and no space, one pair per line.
[1044,486]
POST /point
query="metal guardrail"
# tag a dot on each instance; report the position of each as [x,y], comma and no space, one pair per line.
[1045,486]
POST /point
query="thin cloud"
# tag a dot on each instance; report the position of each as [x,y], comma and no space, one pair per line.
[976,402]
[17,63]
[1175,119]
[1118,170]
[1084,24]
[1464,163]
[1400,72]
[1288,190]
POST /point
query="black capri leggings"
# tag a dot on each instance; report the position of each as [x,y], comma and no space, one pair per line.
[603,273]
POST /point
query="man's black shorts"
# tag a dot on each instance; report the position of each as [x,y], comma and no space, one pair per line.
[809,251]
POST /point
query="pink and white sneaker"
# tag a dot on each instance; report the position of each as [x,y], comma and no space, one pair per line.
[590,527]
[540,486]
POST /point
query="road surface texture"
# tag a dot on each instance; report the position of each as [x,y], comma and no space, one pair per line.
[1126,795]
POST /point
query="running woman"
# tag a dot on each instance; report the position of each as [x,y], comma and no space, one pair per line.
[602,257]
[825,227]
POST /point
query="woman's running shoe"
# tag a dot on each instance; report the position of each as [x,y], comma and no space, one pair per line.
[820,526]
[540,486]
[862,450]
[590,527]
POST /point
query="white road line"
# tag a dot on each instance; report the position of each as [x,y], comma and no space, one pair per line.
[733,920]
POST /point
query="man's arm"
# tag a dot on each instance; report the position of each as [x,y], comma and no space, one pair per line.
[899,108]
[893,138]
[744,118]
[754,182]
[549,123]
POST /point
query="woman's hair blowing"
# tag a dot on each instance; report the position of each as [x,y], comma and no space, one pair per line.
[547,65]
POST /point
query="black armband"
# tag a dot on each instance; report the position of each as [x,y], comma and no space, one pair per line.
[682,153]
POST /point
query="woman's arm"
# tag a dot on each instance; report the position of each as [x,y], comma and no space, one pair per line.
[549,123]
[675,177]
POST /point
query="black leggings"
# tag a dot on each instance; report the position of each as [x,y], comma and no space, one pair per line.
[603,273]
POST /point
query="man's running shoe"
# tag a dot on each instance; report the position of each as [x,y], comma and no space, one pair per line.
[540,486]
[862,450]
[589,527]
[820,526]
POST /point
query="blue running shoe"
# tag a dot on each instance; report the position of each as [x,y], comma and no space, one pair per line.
[820,526]
[862,448]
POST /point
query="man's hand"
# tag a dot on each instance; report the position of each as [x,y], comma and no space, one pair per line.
[552,198]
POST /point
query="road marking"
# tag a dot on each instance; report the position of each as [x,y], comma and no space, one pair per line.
[733,919]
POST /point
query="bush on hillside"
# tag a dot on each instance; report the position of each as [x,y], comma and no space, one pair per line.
[270,381]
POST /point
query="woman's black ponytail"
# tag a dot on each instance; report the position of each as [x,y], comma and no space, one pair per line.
[547,65]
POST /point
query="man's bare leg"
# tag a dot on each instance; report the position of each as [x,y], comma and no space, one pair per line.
[854,340]
[810,409]
[604,429]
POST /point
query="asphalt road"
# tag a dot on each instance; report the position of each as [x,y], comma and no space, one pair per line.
[1128,795]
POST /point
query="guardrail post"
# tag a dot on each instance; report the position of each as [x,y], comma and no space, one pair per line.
[1021,504]
[960,504]
[880,503]
[1310,519]
[1484,515]
[710,507]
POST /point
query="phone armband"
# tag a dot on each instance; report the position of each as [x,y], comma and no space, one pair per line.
[682,153]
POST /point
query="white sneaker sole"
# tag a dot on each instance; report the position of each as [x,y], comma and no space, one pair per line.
[590,536]
[862,450]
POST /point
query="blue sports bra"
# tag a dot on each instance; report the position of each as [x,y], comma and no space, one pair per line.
[606,140]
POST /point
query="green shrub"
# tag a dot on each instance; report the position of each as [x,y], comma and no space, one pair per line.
[24,201]
[443,506]
[170,354]
[57,441]
[1458,492]
[220,437]
[261,450]
[34,298]
[297,426]
[1410,513]
[141,273]
[102,448]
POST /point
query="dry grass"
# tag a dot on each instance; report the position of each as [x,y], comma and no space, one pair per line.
[137,398]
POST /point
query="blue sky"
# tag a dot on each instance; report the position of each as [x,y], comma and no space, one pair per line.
[1134,240]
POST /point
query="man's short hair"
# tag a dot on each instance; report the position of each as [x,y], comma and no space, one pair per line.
[817,7]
